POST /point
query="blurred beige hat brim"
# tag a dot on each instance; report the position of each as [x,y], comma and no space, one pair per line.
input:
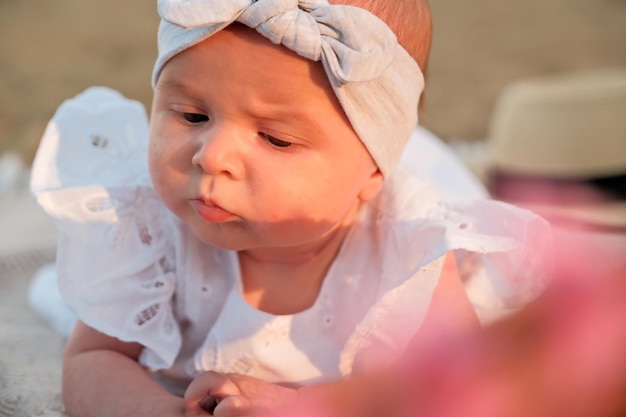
[551,140]
[571,126]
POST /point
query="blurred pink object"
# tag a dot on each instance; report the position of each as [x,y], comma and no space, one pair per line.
[564,355]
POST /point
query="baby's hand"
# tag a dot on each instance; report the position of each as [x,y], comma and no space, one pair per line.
[232,395]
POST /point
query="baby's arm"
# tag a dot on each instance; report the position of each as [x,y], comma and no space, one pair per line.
[450,310]
[102,377]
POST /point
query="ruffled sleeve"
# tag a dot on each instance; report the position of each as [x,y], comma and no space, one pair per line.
[506,249]
[503,252]
[115,259]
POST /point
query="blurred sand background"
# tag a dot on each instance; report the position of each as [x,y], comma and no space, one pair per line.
[52,50]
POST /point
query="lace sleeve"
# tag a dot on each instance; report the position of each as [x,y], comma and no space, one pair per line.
[115,258]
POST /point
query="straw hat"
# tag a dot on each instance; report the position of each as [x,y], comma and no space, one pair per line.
[558,145]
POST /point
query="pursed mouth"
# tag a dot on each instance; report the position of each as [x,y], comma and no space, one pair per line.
[210,211]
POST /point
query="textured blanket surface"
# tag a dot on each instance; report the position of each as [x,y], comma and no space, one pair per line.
[30,350]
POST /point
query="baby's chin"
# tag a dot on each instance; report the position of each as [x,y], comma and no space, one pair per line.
[222,239]
[279,238]
[228,236]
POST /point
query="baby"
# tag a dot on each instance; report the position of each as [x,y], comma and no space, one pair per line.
[268,241]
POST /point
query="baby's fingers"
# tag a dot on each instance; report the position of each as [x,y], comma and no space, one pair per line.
[205,393]
[233,406]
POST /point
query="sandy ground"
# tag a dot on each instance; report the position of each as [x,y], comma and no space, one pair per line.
[50,51]
[30,351]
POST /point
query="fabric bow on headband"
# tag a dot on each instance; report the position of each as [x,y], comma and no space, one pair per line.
[376,81]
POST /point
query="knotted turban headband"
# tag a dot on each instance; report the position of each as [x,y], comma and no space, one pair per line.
[376,81]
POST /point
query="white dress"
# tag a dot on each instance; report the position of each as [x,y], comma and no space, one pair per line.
[130,269]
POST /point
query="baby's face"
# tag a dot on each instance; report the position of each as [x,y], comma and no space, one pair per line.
[250,147]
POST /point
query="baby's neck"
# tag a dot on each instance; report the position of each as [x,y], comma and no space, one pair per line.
[284,282]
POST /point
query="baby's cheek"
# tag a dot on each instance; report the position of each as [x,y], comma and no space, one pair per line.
[164,184]
[154,157]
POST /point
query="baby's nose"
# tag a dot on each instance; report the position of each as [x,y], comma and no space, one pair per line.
[221,151]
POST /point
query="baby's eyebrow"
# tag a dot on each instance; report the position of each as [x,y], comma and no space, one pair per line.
[295,115]
[292,114]
[174,84]
[181,87]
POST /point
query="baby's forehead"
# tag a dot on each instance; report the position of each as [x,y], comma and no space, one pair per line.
[259,58]
[272,81]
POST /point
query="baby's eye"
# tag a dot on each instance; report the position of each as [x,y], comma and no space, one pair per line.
[275,141]
[195,117]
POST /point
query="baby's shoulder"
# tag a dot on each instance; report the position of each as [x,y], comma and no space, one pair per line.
[412,217]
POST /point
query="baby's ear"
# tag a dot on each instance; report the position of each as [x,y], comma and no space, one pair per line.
[372,186]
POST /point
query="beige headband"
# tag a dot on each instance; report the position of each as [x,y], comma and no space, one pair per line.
[376,81]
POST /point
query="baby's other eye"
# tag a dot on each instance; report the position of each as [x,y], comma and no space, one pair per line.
[195,117]
[275,141]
